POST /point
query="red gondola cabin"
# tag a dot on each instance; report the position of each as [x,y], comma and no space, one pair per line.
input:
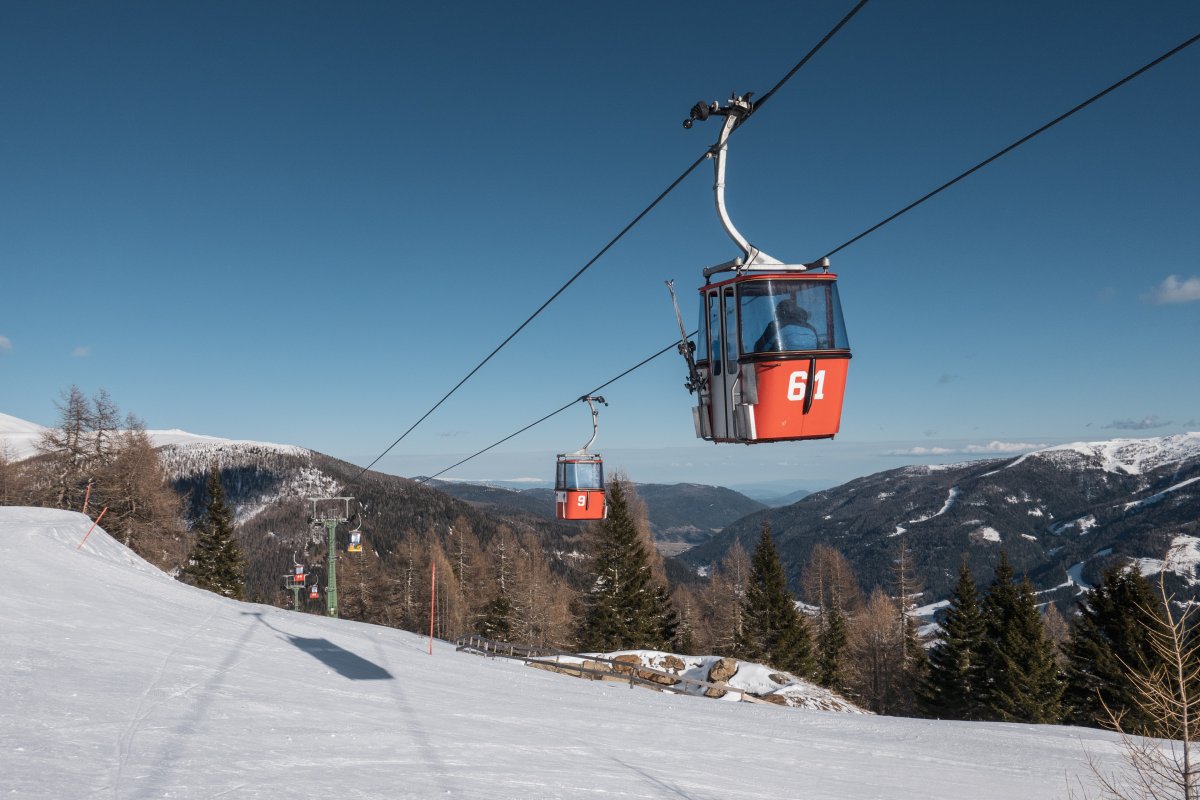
[579,478]
[579,487]
[772,358]
[772,354]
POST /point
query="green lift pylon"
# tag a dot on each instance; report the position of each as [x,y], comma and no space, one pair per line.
[330,511]
[294,581]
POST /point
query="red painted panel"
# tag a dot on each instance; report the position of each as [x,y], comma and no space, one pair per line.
[782,385]
[580,504]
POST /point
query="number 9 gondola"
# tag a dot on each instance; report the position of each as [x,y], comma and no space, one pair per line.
[771,356]
[579,479]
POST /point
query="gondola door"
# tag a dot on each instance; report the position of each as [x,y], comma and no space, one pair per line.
[724,387]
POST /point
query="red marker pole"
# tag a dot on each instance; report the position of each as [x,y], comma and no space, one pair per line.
[94,524]
[87,495]
[432,597]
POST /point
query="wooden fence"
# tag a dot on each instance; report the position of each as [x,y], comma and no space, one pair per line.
[623,671]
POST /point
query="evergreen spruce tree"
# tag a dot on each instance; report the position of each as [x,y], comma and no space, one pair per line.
[831,650]
[954,685]
[772,629]
[1110,639]
[496,620]
[627,606]
[1023,682]
[216,562]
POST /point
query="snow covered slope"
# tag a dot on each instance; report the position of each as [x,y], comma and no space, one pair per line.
[117,682]
[1127,456]
[18,436]
[196,441]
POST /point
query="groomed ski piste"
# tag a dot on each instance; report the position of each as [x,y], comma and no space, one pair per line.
[119,682]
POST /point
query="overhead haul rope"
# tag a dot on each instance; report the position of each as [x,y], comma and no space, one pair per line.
[571,404]
[602,251]
[528,320]
[1017,143]
[902,211]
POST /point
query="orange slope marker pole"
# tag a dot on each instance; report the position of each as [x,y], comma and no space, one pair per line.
[87,495]
[432,598]
[89,533]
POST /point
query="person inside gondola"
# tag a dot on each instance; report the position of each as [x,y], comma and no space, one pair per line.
[789,330]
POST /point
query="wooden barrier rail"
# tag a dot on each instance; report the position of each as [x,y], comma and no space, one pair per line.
[551,658]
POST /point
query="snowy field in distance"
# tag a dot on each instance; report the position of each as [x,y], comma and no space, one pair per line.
[118,682]
[20,438]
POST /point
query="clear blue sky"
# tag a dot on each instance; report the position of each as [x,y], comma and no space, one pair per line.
[304,222]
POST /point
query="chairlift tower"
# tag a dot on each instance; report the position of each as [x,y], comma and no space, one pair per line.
[330,511]
[295,582]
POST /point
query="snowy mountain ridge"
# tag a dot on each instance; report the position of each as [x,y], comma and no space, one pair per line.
[1062,514]
[201,444]
[21,437]
[18,437]
[1126,456]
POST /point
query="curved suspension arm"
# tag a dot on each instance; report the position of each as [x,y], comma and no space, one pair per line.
[595,420]
[719,154]
[735,113]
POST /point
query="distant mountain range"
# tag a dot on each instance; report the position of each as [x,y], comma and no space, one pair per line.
[1061,513]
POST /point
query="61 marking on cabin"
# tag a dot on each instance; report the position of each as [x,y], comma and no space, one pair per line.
[798,384]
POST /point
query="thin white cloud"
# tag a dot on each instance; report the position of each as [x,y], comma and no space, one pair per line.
[921,451]
[5,344]
[81,352]
[991,448]
[1174,290]
[1002,447]
[1144,424]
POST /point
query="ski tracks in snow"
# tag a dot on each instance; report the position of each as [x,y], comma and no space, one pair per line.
[147,706]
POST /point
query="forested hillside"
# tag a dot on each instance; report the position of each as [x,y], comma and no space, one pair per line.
[681,515]
[270,489]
